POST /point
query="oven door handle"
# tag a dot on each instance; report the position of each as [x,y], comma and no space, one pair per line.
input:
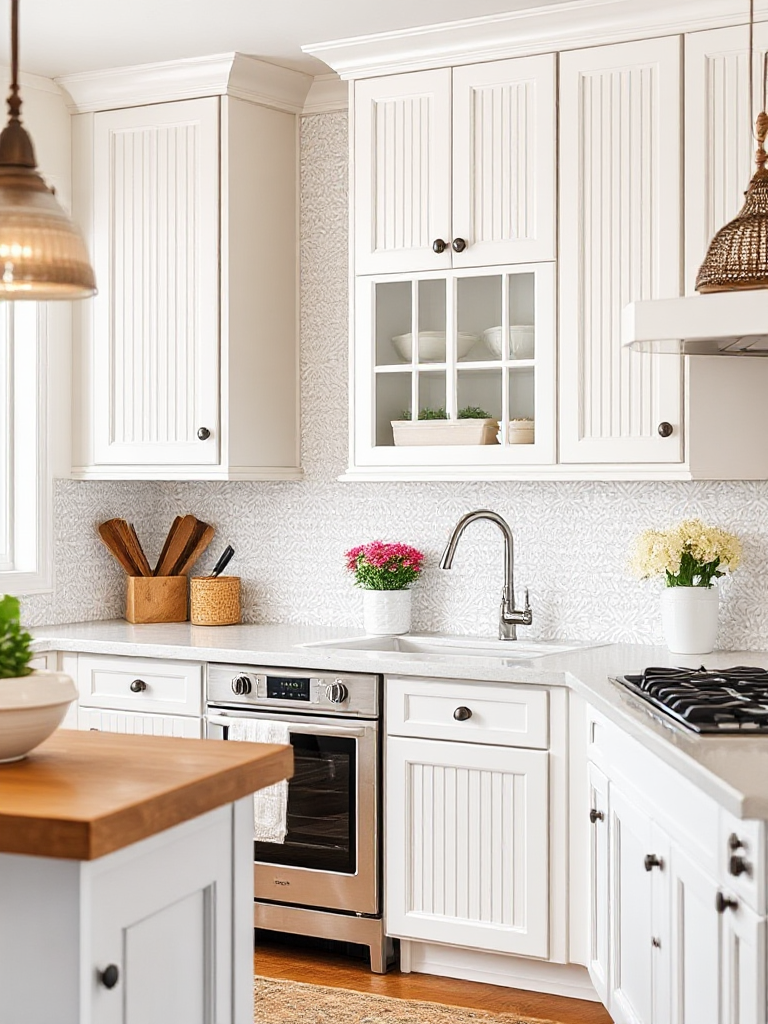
[300,729]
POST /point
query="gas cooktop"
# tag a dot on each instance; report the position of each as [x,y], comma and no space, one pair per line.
[731,700]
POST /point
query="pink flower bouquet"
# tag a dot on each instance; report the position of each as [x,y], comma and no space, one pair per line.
[381,566]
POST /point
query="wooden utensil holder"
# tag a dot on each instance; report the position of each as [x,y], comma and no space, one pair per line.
[157,599]
[214,600]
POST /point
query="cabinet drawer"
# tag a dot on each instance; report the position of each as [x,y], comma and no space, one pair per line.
[99,720]
[742,867]
[499,713]
[170,687]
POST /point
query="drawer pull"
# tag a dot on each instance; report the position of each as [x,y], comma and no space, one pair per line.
[110,976]
[595,816]
[138,686]
[462,714]
[652,861]
[734,843]
[723,903]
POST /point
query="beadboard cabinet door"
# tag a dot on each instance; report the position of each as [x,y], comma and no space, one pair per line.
[719,145]
[620,226]
[104,720]
[598,964]
[156,256]
[467,845]
[504,161]
[402,172]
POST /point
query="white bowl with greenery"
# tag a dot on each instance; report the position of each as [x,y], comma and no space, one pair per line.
[32,703]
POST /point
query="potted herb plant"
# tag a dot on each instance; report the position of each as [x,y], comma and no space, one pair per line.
[690,558]
[471,426]
[384,572]
[32,702]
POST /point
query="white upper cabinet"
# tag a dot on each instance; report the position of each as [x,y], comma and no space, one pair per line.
[402,172]
[620,225]
[186,361]
[455,167]
[156,175]
[504,161]
[719,144]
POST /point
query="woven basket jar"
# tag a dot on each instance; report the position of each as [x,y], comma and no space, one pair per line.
[214,600]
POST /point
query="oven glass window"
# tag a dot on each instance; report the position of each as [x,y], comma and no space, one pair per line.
[321,807]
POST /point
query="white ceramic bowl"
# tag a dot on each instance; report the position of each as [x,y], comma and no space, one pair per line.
[31,707]
[432,346]
[521,341]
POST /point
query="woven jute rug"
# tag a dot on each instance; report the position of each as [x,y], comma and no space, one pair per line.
[294,1002]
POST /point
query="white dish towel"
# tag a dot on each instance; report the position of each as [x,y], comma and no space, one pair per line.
[270,805]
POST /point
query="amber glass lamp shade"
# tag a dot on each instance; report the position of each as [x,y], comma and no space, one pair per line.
[42,253]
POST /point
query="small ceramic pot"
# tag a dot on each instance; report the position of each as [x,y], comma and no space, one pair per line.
[689,619]
[386,612]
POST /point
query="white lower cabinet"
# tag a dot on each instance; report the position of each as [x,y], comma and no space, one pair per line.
[102,720]
[467,845]
[671,939]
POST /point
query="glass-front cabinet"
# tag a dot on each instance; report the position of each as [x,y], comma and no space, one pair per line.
[454,372]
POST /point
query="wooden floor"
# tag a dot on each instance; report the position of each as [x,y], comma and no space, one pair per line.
[322,968]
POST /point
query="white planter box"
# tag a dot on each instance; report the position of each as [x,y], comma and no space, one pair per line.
[422,432]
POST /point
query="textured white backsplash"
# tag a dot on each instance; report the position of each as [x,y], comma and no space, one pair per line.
[572,539]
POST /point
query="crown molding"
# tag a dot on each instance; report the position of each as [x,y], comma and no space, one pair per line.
[559,26]
[327,93]
[230,74]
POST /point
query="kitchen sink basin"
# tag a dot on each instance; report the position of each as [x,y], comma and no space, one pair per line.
[456,646]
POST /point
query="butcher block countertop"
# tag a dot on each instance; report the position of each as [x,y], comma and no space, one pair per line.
[81,795]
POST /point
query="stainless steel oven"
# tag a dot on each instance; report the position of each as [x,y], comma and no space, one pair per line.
[325,878]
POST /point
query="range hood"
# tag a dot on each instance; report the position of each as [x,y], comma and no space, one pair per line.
[731,323]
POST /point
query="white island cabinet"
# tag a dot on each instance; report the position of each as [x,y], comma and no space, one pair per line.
[126,880]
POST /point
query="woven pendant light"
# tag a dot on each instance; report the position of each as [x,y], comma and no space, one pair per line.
[737,257]
[42,253]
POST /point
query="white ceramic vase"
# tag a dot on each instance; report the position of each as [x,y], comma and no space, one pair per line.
[689,619]
[31,707]
[386,612]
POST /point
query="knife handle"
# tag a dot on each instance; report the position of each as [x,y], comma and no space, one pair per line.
[224,561]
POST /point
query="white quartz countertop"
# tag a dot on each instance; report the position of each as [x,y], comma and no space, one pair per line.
[731,769]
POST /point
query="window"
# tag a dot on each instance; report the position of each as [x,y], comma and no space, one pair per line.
[26,464]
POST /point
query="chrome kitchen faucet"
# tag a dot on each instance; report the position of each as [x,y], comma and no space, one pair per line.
[509,616]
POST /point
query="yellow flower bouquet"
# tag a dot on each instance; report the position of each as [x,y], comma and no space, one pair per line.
[690,554]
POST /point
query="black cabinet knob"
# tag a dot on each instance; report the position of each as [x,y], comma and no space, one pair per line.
[656,943]
[138,685]
[459,244]
[738,866]
[595,816]
[665,429]
[462,714]
[439,246]
[734,843]
[652,861]
[110,976]
[203,433]
[723,903]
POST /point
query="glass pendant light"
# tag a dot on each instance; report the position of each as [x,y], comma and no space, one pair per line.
[42,253]
[737,257]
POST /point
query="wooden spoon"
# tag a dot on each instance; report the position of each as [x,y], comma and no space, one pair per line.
[164,552]
[183,536]
[112,537]
[202,537]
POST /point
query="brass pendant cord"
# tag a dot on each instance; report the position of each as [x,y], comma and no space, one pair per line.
[738,254]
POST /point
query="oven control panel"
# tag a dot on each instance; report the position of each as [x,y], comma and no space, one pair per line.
[354,694]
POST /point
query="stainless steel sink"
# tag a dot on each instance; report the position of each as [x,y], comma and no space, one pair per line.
[455,646]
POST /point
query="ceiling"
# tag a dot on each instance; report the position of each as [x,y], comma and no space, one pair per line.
[60,38]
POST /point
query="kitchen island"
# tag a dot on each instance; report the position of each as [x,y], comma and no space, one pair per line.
[126,879]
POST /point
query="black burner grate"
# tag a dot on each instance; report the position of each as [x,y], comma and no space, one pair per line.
[733,700]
